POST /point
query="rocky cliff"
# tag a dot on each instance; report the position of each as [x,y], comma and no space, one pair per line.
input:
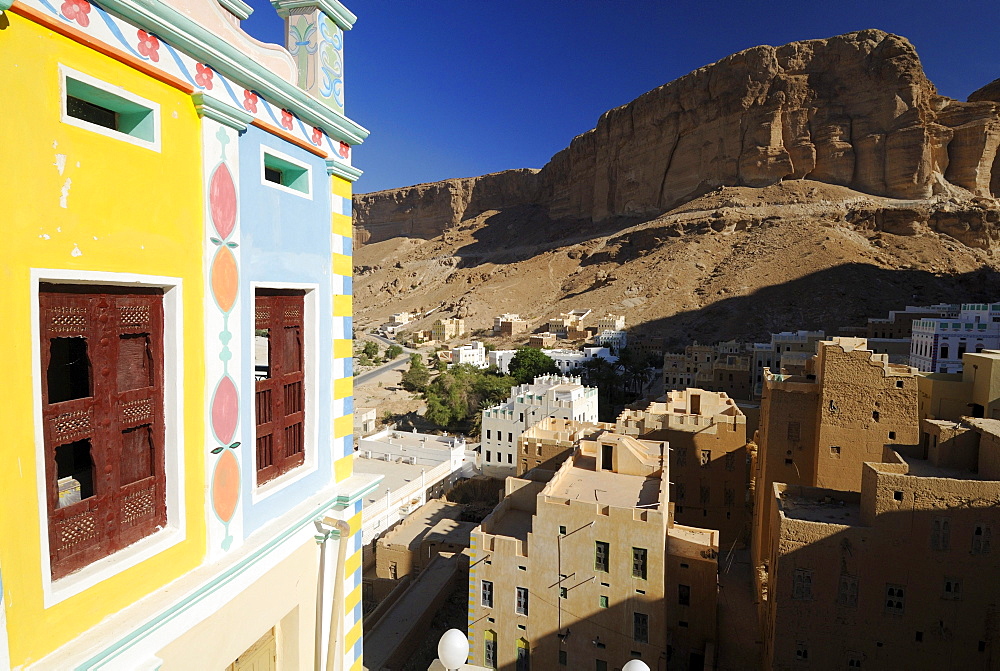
[855,110]
[425,210]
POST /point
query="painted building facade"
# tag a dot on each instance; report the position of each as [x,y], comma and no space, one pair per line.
[178,293]
[938,344]
[447,329]
[548,396]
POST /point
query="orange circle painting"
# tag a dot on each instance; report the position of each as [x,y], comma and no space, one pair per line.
[226,485]
[225,278]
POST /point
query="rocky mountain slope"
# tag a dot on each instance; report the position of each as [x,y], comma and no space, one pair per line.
[806,185]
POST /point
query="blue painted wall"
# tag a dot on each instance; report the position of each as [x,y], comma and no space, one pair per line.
[286,238]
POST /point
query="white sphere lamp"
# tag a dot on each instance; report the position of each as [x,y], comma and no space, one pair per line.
[635,665]
[453,649]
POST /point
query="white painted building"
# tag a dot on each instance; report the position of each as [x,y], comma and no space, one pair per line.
[501,359]
[415,467]
[402,318]
[548,396]
[612,338]
[473,354]
[566,360]
[937,345]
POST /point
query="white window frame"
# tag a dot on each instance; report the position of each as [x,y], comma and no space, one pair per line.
[265,150]
[67,72]
[484,591]
[174,531]
[310,363]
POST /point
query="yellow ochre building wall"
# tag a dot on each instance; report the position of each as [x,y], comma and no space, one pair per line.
[94,209]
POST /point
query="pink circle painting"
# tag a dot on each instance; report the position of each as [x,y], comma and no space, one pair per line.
[222,197]
[225,410]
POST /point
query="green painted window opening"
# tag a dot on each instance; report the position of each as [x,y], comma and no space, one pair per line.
[103,108]
[286,173]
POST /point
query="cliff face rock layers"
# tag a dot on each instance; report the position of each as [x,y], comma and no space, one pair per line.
[855,110]
[425,210]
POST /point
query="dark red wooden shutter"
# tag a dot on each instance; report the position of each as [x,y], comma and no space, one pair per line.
[280,385]
[102,406]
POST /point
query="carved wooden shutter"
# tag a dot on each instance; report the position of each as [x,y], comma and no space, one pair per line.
[280,385]
[102,408]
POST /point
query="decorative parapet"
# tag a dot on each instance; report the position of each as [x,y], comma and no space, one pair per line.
[314,36]
[342,170]
[344,17]
[174,48]
[217,110]
[237,8]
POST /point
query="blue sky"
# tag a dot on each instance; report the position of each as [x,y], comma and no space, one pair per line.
[457,89]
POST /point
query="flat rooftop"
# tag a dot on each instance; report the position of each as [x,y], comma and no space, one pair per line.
[581,481]
[396,475]
[827,509]
[991,426]
[419,525]
[415,440]
[512,522]
[921,468]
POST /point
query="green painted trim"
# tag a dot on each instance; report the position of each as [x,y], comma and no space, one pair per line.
[237,8]
[217,110]
[341,15]
[347,500]
[107,655]
[5,5]
[205,46]
[348,172]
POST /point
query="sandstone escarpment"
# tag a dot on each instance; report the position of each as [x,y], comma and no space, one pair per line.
[854,110]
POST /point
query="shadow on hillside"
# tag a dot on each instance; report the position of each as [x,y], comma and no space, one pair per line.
[845,295]
[522,232]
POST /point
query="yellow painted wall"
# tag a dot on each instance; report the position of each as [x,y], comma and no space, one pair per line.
[128,210]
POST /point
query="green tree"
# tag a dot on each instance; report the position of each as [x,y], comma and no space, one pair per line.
[392,351]
[529,362]
[370,350]
[457,397]
[604,375]
[417,376]
[636,370]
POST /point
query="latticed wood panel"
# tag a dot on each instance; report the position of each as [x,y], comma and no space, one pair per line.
[280,394]
[102,408]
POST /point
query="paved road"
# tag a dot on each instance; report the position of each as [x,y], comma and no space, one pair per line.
[400,361]
[364,378]
[386,341]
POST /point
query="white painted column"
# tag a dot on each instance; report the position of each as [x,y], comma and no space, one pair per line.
[224,336]
[4,646]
